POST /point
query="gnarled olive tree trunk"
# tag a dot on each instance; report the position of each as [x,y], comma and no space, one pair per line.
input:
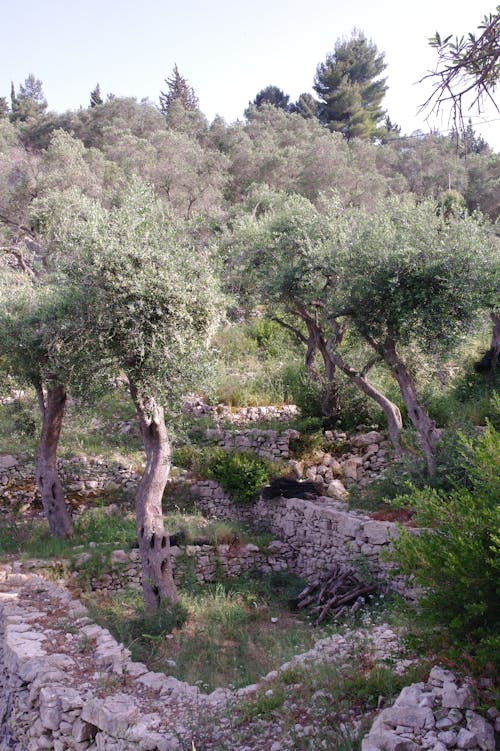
[425,427]
[154,544]
[391,410]
[487,365]
[52,404]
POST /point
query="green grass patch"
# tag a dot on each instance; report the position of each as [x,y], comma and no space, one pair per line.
[233,632]
[32,539]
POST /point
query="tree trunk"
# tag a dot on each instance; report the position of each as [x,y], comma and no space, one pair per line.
[391,410]
[52,410]
[487,365]
[427,431]
[495,344]
[330,399]
[154,544]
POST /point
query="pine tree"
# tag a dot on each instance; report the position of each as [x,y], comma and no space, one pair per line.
[272,95]
[350,89]
[468,141]
[30,100]
[95,96]
[178,91]
[306,105]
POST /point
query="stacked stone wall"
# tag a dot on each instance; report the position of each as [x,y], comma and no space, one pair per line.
[314,535]
[206,562]
[270,444]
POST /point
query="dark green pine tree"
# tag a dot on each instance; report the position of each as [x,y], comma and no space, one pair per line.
[95,96]
[306,105]
[29,102]
[272,95]
[350,89]
[468,141]
[179,91]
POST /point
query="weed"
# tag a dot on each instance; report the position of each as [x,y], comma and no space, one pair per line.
[262,705]
[108,684]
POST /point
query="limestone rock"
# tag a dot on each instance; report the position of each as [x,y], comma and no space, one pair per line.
[336,490]
[7,461]
[482,729]
[365,439]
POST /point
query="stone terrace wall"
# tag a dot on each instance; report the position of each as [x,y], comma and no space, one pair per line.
[205,562]
[81,477]
[270,444]
[316,534]
[47,700]
[222,413]
[435,715]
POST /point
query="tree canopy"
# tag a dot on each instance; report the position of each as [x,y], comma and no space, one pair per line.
[350,89]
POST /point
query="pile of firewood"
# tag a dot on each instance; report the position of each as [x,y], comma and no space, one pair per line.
[342,590]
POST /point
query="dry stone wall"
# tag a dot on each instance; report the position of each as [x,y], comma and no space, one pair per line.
[316,534]
[437,715]
[77,689]
[67,685]
[206,562]
[270,444]
[222,413]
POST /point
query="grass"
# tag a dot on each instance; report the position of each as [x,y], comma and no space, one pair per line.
[320,705]
[229,633]
[31,539]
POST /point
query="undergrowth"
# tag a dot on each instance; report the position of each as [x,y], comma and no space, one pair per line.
[228,633]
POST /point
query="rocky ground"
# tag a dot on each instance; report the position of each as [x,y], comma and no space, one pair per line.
[73,652]
[85,683]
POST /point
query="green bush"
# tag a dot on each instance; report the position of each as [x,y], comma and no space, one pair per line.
[402,477]
[456,555]
[301,390]
[184,456]
[241,474]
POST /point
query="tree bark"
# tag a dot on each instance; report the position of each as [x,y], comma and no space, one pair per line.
[427,431]
[495,343]
[154,544]
[391,410]
[52,407]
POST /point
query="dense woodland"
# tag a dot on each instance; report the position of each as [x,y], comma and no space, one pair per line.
[309,252]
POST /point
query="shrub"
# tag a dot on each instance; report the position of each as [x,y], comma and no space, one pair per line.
[184,456]
[301,390]
[241,474]
[456,556]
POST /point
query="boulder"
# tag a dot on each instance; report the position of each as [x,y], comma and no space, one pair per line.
[365,439]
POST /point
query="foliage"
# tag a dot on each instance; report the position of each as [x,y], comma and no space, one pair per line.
[151,296]
[95,96]
[29,101]
[179,91]
[466,66]
[301,390]
[456,555]
[274,96]
[242,474]
[350,89]
[414,277]
[46,339]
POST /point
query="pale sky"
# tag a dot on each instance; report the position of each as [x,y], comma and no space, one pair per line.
[228,50]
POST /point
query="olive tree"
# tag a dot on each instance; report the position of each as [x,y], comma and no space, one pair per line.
[413,277]
[44,344]
[286,250]
[153,302]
